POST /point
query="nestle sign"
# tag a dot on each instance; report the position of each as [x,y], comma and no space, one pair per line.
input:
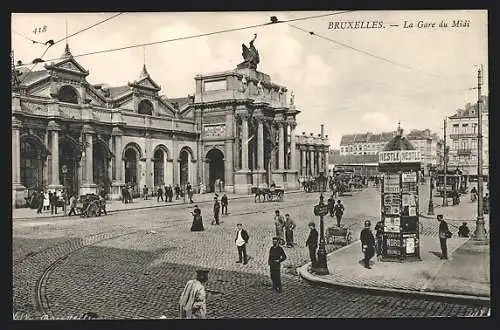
[399,156]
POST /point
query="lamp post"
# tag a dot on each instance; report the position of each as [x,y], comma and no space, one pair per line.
[321,210]
[430,211]
[64,172]
[479,234]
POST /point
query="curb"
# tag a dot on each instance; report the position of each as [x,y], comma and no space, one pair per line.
[451,297]
[144,207]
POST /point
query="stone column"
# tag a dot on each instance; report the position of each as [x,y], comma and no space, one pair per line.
[303,168]
[118,164]
[293,151]
[16,151]
[17,187]
[260,144]
[54,129]
[244,143]
[176,163]
[281,150]
[47,161]
[228,155]
[311,162]
[110,162]
[88,185]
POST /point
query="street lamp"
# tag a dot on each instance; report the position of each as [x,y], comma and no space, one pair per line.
[321,210]
[479,234]
[64,172]
[430,211]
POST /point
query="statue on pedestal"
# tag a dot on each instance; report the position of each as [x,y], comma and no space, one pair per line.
[250,56]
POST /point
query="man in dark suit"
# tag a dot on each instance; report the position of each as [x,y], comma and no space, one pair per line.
[312,243]
[367,244]
[444,234]
[276,257]
[224,201]
[215,221]
[241,241]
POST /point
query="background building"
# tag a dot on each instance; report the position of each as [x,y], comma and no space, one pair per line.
[365,145]
[462,133]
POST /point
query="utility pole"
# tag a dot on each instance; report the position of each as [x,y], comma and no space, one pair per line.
[445,198]
[479,234]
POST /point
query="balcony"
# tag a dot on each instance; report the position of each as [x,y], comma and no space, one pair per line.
[463,135]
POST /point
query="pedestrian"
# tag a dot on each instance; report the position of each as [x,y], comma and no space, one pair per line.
[53,203]
[279,223]
[159,194]
[221,186]
[338,211]
[192,303]
[379,233]
[177,191]
[216,211]
[102,205]
[216,185]
[223,202]
[312,243]
[145,192]
[41,200]
[189,191]
[463,230]
[197,220]
[367,244]
[289,227]
[241,241]
[46,201]
[331,204]
[72,205]
[276,257]
[444,234]
[473,194]
[486,205]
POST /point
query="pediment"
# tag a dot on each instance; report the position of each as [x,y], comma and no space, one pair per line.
[147,83]
[70,65]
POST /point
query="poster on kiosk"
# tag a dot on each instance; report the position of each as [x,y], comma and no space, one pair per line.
[399,202]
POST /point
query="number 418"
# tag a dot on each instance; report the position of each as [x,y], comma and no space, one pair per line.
[40,29]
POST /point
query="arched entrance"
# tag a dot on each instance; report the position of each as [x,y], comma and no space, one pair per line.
[159,167]
[33,155]
[131,163]
[215,167]
[101,158]
[184,158]
[69,155]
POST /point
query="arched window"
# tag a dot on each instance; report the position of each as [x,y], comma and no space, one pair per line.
[68,94]
[145,107]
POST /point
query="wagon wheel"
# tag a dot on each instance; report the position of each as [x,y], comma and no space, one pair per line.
[92,209]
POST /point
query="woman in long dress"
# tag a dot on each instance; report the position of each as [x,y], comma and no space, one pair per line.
[197,220]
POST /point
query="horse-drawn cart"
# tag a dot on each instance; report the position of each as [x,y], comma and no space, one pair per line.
[89,206]
[340,234]
[274,194]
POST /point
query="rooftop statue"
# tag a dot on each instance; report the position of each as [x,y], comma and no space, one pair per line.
[250,56]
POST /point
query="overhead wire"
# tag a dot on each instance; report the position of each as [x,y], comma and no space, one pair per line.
[50,43]
[204,34]
[312,33]
[28,38]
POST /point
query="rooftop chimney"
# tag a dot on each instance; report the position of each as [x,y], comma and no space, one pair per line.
[322,131]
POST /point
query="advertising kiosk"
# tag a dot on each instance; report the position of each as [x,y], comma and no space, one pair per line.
[399,164]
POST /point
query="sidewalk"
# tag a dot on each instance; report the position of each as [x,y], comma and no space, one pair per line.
[466,275]
[139,203]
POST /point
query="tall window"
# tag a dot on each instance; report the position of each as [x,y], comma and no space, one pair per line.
[68,94]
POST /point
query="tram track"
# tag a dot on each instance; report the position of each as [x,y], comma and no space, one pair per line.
[42,302]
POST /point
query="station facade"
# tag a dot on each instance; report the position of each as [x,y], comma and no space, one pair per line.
[238,127]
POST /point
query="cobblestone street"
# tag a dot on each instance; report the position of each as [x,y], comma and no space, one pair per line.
[134,264]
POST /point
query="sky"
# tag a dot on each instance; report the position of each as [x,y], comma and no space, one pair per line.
[423,75]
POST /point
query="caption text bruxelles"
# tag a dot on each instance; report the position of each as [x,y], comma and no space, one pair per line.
[405,24]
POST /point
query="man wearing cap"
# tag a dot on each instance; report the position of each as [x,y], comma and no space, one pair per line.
[216,211]
[241,241]
[312,243]
[276,257]
[338,210]
[367,244]
[192,304]
[444,234]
